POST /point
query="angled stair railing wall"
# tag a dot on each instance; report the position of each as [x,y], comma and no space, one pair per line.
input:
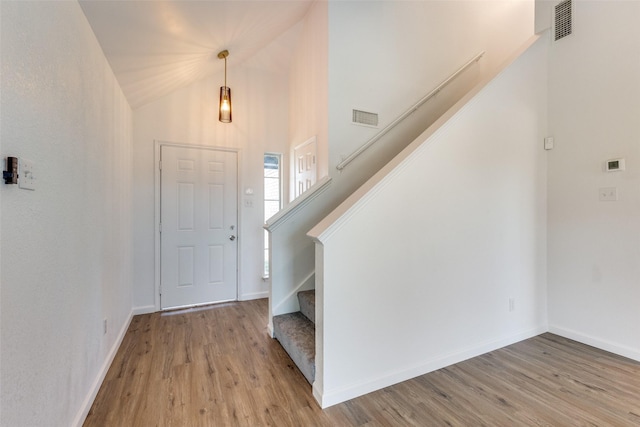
[292,253]
[408,112]
[416,269]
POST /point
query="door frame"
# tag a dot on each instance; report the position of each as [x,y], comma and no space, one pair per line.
[293,166]
[158,144]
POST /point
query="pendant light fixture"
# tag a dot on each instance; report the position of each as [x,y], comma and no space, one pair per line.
[225,93]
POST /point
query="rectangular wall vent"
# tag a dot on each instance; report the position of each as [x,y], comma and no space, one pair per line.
[364,118]
[563,19]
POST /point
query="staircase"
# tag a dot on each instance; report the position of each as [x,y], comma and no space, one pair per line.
[297,334]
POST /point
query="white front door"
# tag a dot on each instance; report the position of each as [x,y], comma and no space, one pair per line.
[199,214]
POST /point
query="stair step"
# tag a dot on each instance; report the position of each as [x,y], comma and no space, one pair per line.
[307,300]
[297,335]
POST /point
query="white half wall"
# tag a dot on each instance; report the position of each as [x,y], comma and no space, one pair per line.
[594,116]
[444,258]
[67,245]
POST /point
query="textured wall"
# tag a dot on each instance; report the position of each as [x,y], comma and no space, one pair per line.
[594,111]
[66,247]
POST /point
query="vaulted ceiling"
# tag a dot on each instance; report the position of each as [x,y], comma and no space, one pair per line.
[155,47]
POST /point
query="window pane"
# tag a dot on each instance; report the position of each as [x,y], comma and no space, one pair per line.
[272,197]
[271,208]
[272,162]
[271,173]
[271,189]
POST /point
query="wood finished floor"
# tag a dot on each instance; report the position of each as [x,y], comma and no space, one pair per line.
[217,366]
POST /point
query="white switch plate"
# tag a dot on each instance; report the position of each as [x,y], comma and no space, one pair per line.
[548,143]
[26,177]
[608,194]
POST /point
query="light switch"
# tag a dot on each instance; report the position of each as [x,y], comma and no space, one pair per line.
[26,174]
[608,194]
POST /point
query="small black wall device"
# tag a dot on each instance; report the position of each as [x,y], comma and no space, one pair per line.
[11,174]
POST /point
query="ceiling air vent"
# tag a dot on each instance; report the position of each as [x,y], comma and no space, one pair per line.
[563,19]
[364,118]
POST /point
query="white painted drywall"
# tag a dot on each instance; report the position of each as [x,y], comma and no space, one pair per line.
[544,10]
[259,89]
[66,247]
[594,115]
[419,272]
[385,55]
[308,81]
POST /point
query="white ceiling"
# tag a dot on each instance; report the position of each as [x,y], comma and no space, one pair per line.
[157,46]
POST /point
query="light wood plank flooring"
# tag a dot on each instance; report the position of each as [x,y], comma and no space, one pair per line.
[217,366]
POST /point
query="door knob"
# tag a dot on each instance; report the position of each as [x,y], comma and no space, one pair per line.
[232,237]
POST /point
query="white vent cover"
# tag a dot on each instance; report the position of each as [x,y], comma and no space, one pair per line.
[364,118]
[563,19]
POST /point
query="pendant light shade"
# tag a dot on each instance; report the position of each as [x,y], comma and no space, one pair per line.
[224,114]
[225,105]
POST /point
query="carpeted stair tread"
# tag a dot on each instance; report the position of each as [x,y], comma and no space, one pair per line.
[307,300]
[297,335]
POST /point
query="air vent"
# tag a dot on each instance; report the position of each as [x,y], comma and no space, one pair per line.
[563,19]
[364,118]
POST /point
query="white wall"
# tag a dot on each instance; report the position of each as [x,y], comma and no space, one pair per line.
[385,55]
[308,111]
[418,273]
[259,89]
[66,247]
[594,111]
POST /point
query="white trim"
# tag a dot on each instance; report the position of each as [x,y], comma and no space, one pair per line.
[317,392]
[97,383]
[284,214]
[333,397]
[254,295]
[144,309]
[304,283]
[156,217]
[307,142]
[620,350]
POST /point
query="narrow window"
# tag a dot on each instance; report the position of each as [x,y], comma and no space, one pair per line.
[272,197]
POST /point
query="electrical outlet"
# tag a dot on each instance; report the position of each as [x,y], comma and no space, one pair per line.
[104,327]
[512,304]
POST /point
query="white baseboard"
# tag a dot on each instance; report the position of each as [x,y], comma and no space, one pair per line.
[95,387]
[270,330]
[255,295]
[609,346]
[333,397]
[144,309]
